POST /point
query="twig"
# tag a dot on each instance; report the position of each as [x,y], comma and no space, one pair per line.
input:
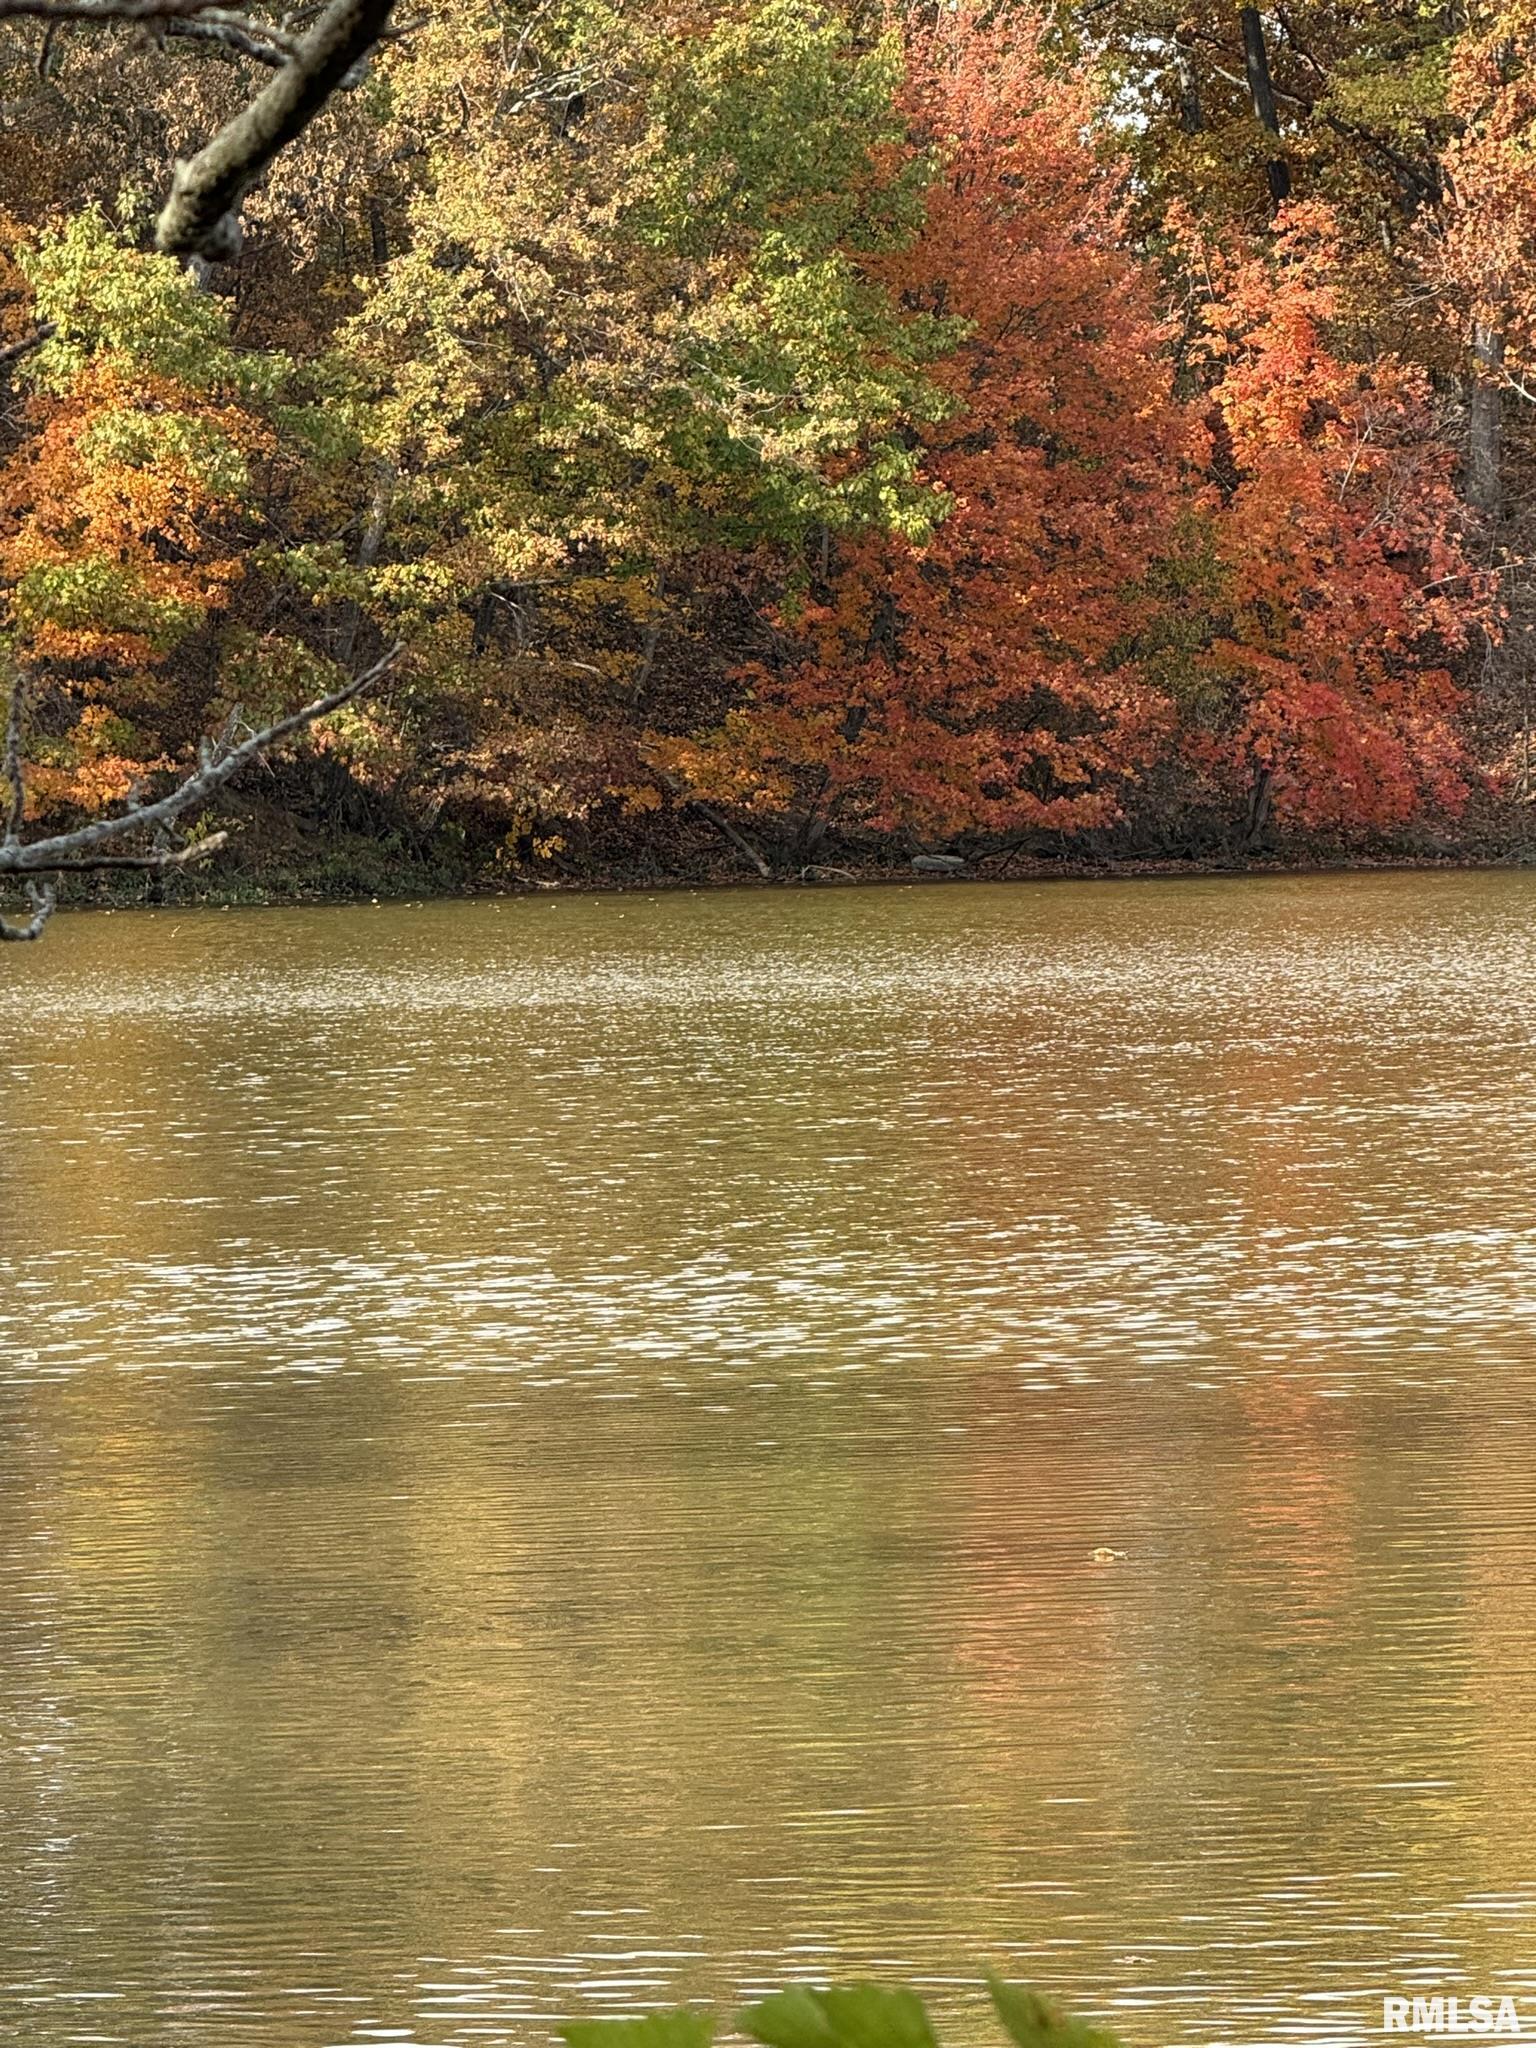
[262,45]
[105,11]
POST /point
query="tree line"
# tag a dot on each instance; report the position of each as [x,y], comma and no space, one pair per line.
[1086,429]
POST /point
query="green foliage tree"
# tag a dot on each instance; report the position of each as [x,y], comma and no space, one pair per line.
[625,355]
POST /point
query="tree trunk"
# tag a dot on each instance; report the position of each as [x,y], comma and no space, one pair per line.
[368,553]
[1259,798]
[1191,112]
[1260,84]
[1485,423]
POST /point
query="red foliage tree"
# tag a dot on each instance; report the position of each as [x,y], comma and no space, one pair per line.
[987,677]
[1341,589]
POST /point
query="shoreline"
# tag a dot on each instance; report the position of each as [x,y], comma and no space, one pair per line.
[251,892]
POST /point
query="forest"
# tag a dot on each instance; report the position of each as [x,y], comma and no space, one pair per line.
[780,439]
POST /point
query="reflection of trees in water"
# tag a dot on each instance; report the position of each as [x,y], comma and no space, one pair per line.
[393,1603]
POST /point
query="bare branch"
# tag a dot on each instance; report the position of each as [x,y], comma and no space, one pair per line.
[737,839]
[14,350]
[153,863]
[199,218]
[200,21]
[42,900]
[69,850]
[104,11]
[247,39]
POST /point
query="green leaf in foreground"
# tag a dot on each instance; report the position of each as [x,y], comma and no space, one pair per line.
[790,2019]
[685,2027]
[859,2015]
[1033,2023]
[848,2016]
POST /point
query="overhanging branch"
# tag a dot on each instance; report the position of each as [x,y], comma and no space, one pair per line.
[200,216]
[77,852]
[151,863]
[108,11]
[40,899]
[42,856]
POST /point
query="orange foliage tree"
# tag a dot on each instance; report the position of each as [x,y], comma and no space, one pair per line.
[112,564]
[1485,237]
[1261,576]
[119,513]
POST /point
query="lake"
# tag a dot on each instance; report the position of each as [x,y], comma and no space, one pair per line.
[552,1451]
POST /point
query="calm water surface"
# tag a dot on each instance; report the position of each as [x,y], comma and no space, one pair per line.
[550,1456]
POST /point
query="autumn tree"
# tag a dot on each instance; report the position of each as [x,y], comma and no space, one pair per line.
[985,676]
[1337,589]
[127,534]
[125,465]
[627,347]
